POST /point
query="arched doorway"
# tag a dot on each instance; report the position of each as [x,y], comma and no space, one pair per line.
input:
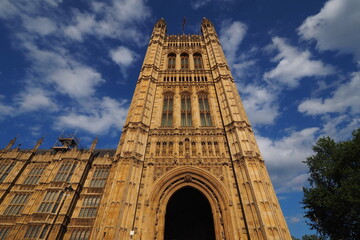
[189,216]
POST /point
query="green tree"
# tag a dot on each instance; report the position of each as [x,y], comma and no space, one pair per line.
[312,237]
[332,202]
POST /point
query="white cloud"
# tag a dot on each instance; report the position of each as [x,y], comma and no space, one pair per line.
[116,19]
[105,114]
[78,82]
[346,97]
[34,99]
[40,25]
[340,127]
[199,3]
[260,104]
[231,35]
[294,64]
[294,219]
[335,27]
[5,110]
[284,158]
[123,56]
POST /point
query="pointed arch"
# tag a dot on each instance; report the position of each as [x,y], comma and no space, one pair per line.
[199,179]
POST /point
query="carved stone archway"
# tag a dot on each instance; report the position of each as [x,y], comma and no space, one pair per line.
[199,179]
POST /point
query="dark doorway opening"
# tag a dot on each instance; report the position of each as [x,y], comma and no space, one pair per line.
[188,216]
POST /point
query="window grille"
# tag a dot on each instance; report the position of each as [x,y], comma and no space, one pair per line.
[184,61]
[217,149]
[167,112]
[171,61]
[34,175]
[164,146]
[99,178]
[197,61]
[17,204]
[36,231]
[203,148]
[181,148]
[157,150]
[205,117]
[50,202]
[65,172]
[210,148]
[4,231]
[170,148]
[5,169]
[186,110]
[80,234]
[193,148]
[89,207]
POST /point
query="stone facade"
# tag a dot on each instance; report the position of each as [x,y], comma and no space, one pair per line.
[186,127]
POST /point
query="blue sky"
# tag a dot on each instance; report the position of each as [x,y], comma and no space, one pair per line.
[72,65]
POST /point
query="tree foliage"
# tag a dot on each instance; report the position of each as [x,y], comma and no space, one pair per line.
[332,202]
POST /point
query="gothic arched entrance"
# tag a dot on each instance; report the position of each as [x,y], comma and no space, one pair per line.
[188,216]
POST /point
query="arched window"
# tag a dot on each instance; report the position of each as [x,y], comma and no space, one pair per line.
[204,107]
[170,148]
[171,61]
[203,148]
[167,112]
[164,148]
[193,148]
[181,148]
[184,61]
[187,145]
[217,149]
[197,61]
[210,148]
[157,151]
[186,110]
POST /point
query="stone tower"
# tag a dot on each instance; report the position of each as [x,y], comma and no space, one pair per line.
[187,166]
[187,136]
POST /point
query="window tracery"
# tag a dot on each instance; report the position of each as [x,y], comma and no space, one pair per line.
[167,112]
[205,117]
[186,110]
[184,61]
[198,61]
[171,61]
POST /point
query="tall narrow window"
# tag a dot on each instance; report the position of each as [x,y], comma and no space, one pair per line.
[193,148]
[197,61]
[203,148]
[210,148]
[164,149]
[36,232]
[80,234]
[17,204]
[50,202]
[5,169]
[184,61]
[89,207]
[99,178]
[65,172]
[157,150]
[170,148]
[187,145]
[4,231]
[171,61]
[205,117]
[217,149]
[181,148]
[34,175]
[167,112]
[186,110]
[32,232]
